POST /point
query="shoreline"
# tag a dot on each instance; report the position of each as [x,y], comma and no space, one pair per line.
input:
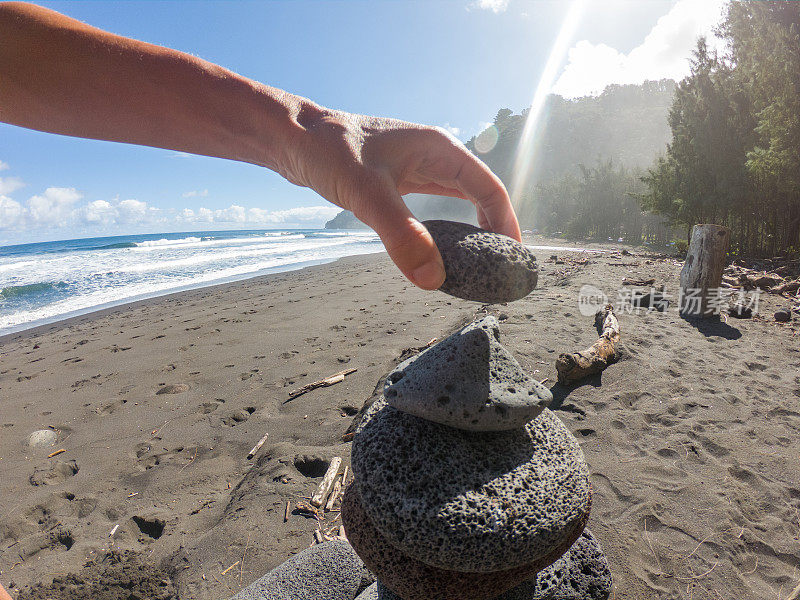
[41,325]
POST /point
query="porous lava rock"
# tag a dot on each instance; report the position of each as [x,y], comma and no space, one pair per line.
[471,501]
[481,265]
[589,576]
[469,381]
[330,571]
[415,580]
[582,573]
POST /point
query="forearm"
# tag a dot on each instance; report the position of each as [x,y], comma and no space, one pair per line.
[62,76]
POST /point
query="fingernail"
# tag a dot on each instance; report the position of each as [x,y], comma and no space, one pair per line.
[429,276]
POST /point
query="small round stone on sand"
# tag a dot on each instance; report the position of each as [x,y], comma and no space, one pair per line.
[42,438]
[481,265]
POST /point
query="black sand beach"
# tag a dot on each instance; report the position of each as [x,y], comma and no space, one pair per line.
[691,438]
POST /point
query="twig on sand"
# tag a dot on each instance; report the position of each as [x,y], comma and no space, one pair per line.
[225,572]
[795,595]
[191,461]
[318,536]
[241,564]
[286,512]
[337,488]
[638,282]
[333,379]
[56,453]
[257,447]
[318,499]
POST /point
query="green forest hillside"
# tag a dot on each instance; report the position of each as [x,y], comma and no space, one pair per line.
[644,163]
[626,125]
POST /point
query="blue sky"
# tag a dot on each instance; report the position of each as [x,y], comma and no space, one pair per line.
[452,63]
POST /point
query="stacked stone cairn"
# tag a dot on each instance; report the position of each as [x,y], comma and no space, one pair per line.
[466,486]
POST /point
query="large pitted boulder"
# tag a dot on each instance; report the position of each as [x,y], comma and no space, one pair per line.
[582,573]
[468,381]
[481,265]
[471,501]
[330,571]
[413,579]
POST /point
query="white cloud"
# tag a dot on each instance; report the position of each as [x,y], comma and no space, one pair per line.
[54,207]
[134,211]
[3,166]
[496,6]
[9,185]
[235,214]
[60,209]
[98,212]
[11,212]
[195,194]
[456,131]
[664,53]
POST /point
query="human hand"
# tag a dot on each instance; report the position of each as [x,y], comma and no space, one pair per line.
[365,164]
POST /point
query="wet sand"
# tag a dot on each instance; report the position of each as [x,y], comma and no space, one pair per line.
[692,438]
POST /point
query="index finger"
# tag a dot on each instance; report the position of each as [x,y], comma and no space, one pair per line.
[477,182]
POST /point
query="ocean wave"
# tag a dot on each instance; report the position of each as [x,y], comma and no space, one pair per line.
[167,242]
[15,291]
[96,299]
[116,246]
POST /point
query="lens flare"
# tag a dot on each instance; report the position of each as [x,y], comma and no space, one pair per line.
[526,151]
[487,140]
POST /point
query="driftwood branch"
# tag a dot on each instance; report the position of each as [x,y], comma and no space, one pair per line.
[638,282]
[337,488]
[333,379]
[257,447]
[575,366]
[318,499]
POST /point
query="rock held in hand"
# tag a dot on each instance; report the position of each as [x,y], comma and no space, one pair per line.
[481,265]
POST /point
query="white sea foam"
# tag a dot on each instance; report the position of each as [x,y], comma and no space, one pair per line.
[93,275]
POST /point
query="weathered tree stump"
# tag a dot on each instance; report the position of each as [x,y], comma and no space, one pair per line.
[701,275]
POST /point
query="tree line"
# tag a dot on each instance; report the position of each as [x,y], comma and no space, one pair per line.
[734,157]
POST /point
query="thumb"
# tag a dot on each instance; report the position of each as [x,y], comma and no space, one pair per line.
[406,240]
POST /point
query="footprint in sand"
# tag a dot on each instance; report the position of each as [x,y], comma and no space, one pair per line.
[56,473]
[238,417]
[173,388]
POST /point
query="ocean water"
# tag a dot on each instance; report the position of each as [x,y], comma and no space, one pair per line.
[47,281]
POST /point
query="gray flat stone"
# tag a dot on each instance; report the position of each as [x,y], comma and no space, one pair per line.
[471,501]
[483,266]
[42,438]
[468,381]
[328,571]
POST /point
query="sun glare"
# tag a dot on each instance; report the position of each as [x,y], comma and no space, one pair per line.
[526,151]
